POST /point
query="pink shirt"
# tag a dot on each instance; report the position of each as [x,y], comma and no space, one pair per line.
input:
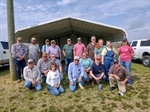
[125,53]
[79,49]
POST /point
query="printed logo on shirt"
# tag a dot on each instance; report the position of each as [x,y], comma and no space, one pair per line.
[100,71]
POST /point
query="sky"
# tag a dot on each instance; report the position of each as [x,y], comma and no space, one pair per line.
[131,15]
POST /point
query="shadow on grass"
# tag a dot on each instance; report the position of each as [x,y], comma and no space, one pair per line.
[4,70]
[135,78]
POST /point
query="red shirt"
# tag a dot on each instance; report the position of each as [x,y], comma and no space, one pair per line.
[79,49]
[125,53]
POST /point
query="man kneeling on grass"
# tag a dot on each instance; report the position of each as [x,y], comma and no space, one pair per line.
[97,72]
[120,74]
[76,74]
[32,76]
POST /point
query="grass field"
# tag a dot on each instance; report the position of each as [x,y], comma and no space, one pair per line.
[15,98]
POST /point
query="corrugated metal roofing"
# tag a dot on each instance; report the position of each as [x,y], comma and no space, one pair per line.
[67,26]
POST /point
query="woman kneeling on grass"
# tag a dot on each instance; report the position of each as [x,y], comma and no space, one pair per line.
[53,80]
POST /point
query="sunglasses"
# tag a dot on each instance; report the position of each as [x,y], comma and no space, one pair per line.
[76,60]
[115,62]
[30,62]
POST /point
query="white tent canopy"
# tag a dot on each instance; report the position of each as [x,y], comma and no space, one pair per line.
[66,27]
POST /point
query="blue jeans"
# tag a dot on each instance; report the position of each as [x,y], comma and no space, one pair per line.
[43,78]
[67,62]
[19,65]
[127,65]
[28,85]
[107,65]
[73,87]
[55,91]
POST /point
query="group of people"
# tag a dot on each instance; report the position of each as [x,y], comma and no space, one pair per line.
[93,63]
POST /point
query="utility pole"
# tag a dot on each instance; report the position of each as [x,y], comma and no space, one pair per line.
[11,36]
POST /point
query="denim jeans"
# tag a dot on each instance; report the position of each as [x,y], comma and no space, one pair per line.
[107,65]
[127,65]
[55,91]
[43,78]
[67,62]
[19,65]
[73,87]
[28,84]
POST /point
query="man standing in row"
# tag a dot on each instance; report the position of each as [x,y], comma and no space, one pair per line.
[68,53]
[46,46]
[90,48]
[54,49]
[79,48]
[19,52]
[33,51]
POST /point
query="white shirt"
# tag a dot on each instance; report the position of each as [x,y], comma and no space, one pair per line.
[53,78]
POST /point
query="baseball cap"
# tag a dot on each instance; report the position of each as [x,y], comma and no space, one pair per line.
[44,54]
[19,38]
[98,58]
[79,39]
[116,61]
[68,39]
[124,40]
[33,38]
[53,41]
[47,40]
[76,57]
[30,60]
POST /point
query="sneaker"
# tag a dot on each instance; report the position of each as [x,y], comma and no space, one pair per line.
[99,87]
[81,87]
[19,80]
[112,88]
[129,85]
[120,93]
[92,83]
[30,87]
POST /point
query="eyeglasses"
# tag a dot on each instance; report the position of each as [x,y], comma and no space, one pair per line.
[76,60]
[115,62]
[30,62]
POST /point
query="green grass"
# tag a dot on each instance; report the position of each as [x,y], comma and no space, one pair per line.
[15,98]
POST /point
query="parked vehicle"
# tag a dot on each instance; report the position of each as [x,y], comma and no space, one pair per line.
[142,50]
[4,53]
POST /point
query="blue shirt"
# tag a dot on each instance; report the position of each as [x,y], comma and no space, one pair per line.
[45,48]
[74,71]
[97,69]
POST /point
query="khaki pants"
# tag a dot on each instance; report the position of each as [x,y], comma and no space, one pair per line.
[112,81]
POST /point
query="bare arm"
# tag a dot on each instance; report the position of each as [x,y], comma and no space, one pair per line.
[91,73]
[64,53]
[102,59]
